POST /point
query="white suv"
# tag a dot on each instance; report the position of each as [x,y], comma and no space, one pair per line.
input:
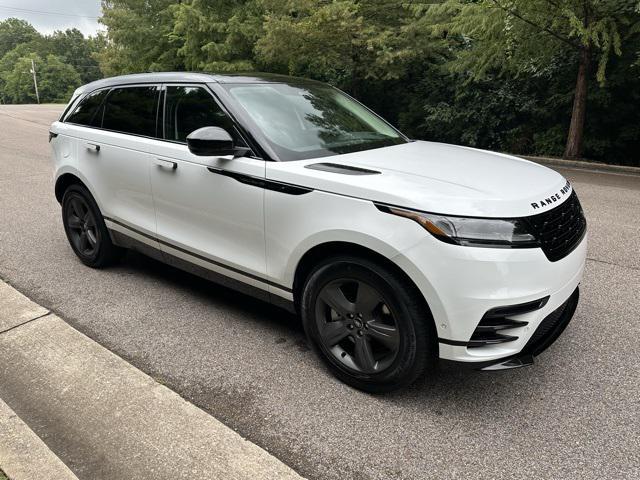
[394,252]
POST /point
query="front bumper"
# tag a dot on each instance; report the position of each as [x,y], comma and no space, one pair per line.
[462,284]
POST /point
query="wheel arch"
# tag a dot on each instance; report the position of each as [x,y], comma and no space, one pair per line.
[70,177]
[322,251]
[64,181]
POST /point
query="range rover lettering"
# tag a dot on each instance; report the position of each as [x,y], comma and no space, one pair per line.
[395,253]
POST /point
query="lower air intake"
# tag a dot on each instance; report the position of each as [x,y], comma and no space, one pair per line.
[488,331]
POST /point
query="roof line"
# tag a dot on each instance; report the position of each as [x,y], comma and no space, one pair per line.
[203,77]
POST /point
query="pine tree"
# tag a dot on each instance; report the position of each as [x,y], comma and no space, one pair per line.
[520,36]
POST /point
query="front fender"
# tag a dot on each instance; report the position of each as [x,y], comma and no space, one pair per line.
[332,236]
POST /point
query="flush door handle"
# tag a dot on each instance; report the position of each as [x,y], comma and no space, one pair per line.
[168,164]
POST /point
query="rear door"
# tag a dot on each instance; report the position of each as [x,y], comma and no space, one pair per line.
[205,214]
[113,152]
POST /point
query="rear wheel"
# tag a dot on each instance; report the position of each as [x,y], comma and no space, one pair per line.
[85,228]
[368,323]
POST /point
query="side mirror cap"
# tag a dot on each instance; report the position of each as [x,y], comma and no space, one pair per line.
[210,142]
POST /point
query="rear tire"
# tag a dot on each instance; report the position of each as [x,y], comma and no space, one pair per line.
[86,230]
[369,324]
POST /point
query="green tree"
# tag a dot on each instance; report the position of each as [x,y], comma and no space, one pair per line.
[217,36]
[521,37]
[500,74]
[71,51]
[138,37]
[7,63]
[56,80]
[73,48]
[14,32]
[344,41]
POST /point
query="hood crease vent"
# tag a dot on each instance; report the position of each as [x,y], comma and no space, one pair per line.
[343,169]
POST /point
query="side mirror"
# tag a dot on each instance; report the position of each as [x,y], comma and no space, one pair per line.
[210,142]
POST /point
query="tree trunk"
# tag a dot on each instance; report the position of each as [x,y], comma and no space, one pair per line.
[578,115]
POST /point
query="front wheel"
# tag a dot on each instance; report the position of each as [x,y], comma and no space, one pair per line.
[368,323]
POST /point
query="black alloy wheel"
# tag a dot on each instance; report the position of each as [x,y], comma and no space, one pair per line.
[82,226]
[368,323]
[356,326]
[85,228]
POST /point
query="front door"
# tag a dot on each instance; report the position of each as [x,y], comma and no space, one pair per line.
[204,214]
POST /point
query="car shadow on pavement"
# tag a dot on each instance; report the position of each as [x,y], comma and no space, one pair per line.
[210,291]
[447,386]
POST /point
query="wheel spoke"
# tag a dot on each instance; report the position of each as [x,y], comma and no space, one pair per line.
[83,242]
[334,332]
[92,238]
[74,221]
[367,299]
[364,355]
[385,334]
[78,208]
[333,296]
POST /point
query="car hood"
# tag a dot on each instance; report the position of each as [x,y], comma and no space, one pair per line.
[434,177]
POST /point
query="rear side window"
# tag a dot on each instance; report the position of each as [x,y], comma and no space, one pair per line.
[132,110]
[86,111]
[189,108]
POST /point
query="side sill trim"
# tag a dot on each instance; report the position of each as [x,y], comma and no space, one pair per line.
[281,187]
[201,257]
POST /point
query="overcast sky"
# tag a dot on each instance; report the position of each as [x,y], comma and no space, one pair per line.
[49,15]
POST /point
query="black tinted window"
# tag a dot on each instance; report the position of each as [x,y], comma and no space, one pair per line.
[132,110]
[191,108]
[85,112]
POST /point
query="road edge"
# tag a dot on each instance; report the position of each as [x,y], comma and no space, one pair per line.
[23,455]
[55,378]
[582,165]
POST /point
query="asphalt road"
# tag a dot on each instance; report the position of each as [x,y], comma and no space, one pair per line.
[575,414]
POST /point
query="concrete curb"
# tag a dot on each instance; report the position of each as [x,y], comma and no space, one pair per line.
[593,166]
[103,417]
[23,455]
[16,309]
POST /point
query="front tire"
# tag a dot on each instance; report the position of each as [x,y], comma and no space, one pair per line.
[86,230]
[368,323]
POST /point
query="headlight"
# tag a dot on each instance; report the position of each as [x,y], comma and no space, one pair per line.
[469,231]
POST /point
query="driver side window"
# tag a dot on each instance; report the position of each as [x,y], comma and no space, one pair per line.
[190,108]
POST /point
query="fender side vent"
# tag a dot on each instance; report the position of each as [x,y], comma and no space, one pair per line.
[343,169]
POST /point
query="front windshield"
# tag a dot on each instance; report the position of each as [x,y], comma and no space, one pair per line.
[310,121]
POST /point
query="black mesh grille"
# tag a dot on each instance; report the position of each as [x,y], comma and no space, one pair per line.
[546,326]
[559,230]
[552,326]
